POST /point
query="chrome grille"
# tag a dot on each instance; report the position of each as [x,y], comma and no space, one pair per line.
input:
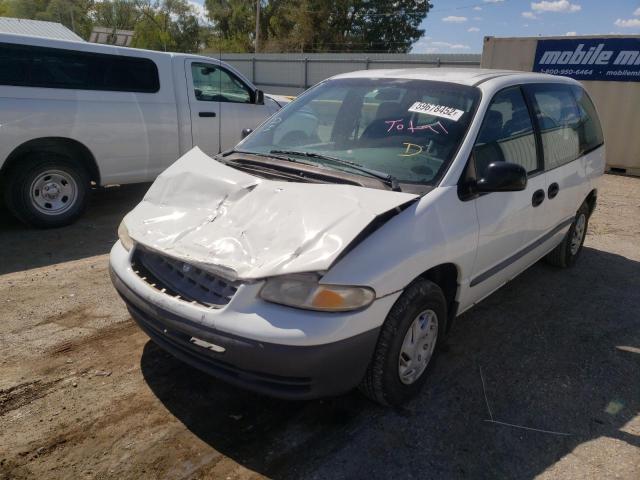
[182,280]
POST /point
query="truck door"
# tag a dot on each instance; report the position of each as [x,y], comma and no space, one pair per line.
[221,105]
[510,223]
[203,84]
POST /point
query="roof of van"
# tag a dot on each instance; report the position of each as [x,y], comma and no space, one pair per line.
[37,28]
[464,76]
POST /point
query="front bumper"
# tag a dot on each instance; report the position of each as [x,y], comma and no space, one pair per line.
[290,371]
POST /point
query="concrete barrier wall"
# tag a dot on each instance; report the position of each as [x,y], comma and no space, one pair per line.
[291,74]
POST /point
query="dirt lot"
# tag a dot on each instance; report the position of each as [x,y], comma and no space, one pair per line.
[84,394]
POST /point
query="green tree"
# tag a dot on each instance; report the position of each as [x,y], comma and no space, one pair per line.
[73,14]
[234,24]
[318,25]
[25,8]
[169,25]
[116,14]
[345,25]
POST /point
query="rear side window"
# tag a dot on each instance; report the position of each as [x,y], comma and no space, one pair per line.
[506,134]
[28,66]
[589,130]
[559,121]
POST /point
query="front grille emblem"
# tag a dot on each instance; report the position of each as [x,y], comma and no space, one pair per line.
[182,280]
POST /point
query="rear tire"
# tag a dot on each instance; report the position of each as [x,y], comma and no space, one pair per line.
[47,190]
[566,254]
[397,371]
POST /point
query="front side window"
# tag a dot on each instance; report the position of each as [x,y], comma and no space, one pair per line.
[409,129]
[559,120]
[214,84]
[506,134]
[589,129]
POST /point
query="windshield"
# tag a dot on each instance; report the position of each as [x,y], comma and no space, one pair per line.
[406,129]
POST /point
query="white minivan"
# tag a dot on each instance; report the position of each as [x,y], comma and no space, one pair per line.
[336,244]
[72,113]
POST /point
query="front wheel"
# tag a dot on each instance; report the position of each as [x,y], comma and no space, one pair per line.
[408,341]
[47,190]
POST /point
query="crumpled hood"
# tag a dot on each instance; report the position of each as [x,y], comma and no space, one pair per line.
[244,227]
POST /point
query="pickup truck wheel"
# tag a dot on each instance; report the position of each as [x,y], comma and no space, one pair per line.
[47,190]
[409,339]
[566,254]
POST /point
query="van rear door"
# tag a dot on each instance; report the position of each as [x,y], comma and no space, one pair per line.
[559,123]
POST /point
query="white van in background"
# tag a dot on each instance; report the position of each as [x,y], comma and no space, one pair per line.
[72,113]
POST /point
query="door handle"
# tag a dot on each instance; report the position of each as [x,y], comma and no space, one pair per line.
[553,190]
[538,197]
[207,114]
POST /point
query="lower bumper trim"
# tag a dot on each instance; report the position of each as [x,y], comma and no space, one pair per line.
[283,371]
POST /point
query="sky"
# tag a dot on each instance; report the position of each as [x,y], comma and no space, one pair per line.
[458,26]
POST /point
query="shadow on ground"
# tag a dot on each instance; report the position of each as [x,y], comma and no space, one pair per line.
[552,349]
[93,234]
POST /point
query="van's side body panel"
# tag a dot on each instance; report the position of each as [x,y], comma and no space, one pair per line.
[594,166]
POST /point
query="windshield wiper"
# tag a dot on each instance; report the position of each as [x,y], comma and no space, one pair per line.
[387,178]
[257,154]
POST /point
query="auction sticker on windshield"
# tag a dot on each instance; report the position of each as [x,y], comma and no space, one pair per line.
[437,110]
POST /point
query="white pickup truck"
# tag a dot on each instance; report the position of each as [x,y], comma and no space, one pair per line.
[74,114]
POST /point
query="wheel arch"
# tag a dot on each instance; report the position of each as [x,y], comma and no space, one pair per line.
[591,200]
[61,145]
[446,276]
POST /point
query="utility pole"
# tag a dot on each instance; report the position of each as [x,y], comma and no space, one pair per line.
[73,23]
[257,46]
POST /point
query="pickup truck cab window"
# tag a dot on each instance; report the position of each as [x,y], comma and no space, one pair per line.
[212,83]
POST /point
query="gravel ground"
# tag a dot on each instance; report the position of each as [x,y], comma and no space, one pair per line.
[85,394]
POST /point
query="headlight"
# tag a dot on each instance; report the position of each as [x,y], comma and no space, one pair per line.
[123,235]
[304,291]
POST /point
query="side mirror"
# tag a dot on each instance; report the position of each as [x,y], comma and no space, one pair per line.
[258,97]
[246,131]
[502,177]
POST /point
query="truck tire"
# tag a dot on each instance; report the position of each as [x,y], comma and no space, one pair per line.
[46,190]
[408,342]
[566,254]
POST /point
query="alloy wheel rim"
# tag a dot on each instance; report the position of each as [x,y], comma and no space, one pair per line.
[578,233]
[418,346]
[53,192]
